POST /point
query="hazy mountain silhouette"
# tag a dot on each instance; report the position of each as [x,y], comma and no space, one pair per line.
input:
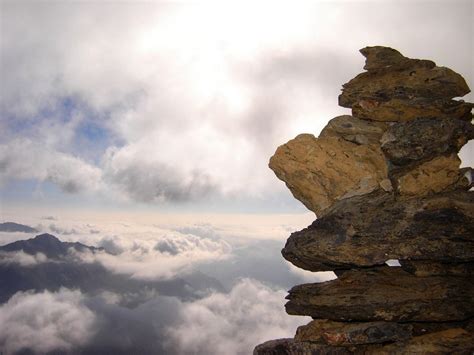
[62,270]
[47,244]
[16,227]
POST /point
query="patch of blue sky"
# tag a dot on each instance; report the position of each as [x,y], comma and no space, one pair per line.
[90,138]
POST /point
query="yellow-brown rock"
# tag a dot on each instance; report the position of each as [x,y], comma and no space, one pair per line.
[321,171]
[434,176]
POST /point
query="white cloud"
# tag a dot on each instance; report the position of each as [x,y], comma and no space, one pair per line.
[309,276]
[21,258]
[25,159]
[196,102]
[45,321]
[221,323]
[233,323]
[157,256]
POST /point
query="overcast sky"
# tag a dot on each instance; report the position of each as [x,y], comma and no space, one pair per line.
[178,107]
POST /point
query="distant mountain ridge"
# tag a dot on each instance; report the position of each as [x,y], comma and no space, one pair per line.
[47,244]
[59,270]
[16,227]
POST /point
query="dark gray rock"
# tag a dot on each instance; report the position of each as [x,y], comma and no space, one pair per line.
[352,333]
[385,294]
[368,230]
[292,347]
[421,139]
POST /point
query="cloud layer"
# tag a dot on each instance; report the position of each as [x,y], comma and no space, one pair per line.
[233,323]
[173,102]
[45,321]
[220,323]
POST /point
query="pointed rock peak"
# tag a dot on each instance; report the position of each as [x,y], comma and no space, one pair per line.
[46,237]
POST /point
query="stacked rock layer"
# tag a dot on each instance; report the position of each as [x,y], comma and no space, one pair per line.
[385,183]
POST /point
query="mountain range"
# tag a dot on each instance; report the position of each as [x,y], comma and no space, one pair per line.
[60,269]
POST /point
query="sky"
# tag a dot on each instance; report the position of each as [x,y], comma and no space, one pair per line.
[177,107]
[145,128]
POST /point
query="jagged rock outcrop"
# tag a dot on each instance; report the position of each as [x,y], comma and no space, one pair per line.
[385,183]
[321,171]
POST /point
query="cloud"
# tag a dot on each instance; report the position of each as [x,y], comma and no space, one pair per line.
[308,276]
[189,104]
[55,229]
[45,321]
[24,159]
[139,176]
[233,323]
[21,258]
[157,256]
[221,323]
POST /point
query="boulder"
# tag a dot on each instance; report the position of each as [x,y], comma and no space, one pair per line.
[433,176]
[354,130]
[402,110]
[451,341]
[433,268]
[385,294]
[346,334]
[320,172]
[368,230]
[401,78]
[289,346]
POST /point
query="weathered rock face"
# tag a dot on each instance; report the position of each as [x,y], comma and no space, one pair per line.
[423,139]
[361,232]
[400,110]
[397,77]
[320,172]
[385,184]
[346,334]
[362,295]
[436,175]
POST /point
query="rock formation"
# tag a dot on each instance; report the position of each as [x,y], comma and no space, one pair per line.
[385,183]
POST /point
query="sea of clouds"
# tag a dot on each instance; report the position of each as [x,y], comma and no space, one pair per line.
[247,311]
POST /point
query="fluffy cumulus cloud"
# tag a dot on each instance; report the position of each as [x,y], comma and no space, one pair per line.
[157,255]
[21,258]
[45,321]
[233,323]
[176,102]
